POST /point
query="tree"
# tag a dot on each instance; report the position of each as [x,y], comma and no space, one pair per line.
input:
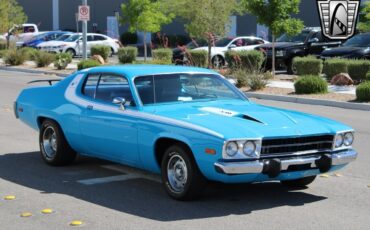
[276,15]
[364,22]
[206,18]
[146,16]
[11,15]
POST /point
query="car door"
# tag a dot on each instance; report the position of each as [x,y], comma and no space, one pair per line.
[109,132]
[318,43]
[89,43]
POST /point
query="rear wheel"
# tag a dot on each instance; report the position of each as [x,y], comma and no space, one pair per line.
[54,148]
[218,61]
[291,68]
[298,183]
[180,174]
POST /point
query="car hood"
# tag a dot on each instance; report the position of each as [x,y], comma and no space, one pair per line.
[342,51]
[241,119]
[281,45]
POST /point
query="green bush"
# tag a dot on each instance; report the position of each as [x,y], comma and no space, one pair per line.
[84,64]
[2,44]
[43,58]
[14,57]
[254,80]
[29,53]
[251,60]
[310,84]
[102,50]
[128,38]
[334,66]
[162,54]
[309,65]
[363,91]
[368,76]
[357,69]
[3,53]
[198,58]
[62,60]
[127,54]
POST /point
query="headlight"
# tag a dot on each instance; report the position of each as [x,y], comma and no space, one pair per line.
[343,140]
[338,140]
[231,149]
[249,148]
[348,139]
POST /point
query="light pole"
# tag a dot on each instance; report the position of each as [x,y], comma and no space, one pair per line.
[84,37]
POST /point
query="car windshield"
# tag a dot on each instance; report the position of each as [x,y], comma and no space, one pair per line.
[361,40]
[63,37]
[73,38]
[302,37]
[182,88]
[223,42]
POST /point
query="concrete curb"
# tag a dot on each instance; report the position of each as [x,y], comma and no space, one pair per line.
[310,101]
[15,69]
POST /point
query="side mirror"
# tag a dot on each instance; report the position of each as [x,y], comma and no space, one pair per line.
[313,40]
[232,46]
[120,101]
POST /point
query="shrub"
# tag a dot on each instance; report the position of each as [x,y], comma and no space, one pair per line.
[334,66]
[363,91]
[251,60]
[14,57]
[3,53]
[29,53]
[255,80]
[2,44]
[357,69]
[128,38]
[310,84]
[43,58]
[127,54]
[62,60]
[309,65]
[163,54]
[102,50]
[198,58]
[84,64]
[368,76]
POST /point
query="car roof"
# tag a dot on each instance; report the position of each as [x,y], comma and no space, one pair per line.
[134,70]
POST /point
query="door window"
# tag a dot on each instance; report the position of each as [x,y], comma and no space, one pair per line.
[106,87]
[99,38]
[90,38]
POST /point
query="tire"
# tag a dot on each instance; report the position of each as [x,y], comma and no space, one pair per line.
[298,183]
[71,51]
[218,61]
[54,148]
[291,68]
[111,52]
[189,182]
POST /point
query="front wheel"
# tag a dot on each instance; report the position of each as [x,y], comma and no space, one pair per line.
[180,174]
[218,61]
[298,183]
[54,148]
[291,68]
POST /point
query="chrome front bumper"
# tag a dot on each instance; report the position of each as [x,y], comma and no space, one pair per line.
[323,162]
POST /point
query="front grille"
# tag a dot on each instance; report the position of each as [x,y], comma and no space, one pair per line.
[286,146]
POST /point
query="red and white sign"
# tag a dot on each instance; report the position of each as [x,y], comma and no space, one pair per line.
[84,13]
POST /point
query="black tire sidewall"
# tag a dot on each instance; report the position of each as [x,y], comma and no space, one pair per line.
[190,165]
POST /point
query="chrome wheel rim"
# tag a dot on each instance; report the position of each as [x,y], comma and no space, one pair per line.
[177,173]
[49,142]
[217,62]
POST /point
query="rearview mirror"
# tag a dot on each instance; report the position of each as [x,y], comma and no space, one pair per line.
[120,101]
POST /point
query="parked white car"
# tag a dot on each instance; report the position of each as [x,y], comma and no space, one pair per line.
[73,44]
[22,32]
[238,44]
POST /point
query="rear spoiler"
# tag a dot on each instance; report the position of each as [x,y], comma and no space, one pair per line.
[46,80]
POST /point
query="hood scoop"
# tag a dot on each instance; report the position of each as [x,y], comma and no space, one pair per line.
[229,113]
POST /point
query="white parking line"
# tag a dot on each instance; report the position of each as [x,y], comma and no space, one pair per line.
[108,179]
[129,174]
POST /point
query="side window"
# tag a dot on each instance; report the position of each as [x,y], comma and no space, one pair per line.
[99,38]
[255,42]
[112,86]
[318,35]
[90,38]
[239,42]
[89,89]
[145,89]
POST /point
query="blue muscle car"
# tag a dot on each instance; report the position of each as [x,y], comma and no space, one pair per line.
[191,125]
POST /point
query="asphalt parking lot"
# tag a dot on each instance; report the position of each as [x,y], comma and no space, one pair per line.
[108,196]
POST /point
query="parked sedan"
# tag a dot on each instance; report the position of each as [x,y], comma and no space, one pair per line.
[358,47]
[73,45]
[188,124]
[48,36]
[229,43]
[178,53]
